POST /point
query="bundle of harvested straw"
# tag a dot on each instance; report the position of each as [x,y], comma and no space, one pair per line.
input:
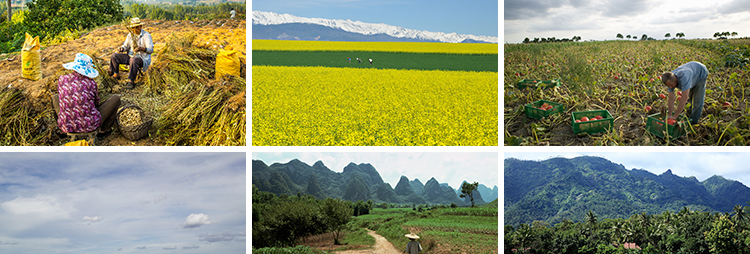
[178,64]
[210,115]
[19,124]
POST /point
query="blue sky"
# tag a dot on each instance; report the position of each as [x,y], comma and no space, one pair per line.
[602,20]
[451,168]
[122,202]
[476,17]
[702,165]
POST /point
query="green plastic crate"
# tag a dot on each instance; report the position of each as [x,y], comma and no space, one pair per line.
[532,109]
[534,83]
[592,126]
[655,125]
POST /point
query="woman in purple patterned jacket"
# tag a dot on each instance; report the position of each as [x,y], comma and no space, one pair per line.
[77,105]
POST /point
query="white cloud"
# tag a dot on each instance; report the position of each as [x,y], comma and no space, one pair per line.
[169,248]
[8,243]
[194,247]
[40,206]
[90,220]
[196,220]
[141,247]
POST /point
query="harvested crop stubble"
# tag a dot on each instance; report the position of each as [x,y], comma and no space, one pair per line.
[179,63]
[19,124]
[207,115]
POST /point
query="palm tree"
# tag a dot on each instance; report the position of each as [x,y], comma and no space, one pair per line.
[619,36]
[680,34]
[591,219]
[734,34]
[717,34]
[667,35]
[740,216]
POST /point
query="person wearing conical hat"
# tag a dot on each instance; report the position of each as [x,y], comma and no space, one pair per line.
[77,102]
[413,247]
[135,52]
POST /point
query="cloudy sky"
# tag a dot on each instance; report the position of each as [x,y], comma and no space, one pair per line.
[702,165]
[122,202]
[451,168]
[476,17]
[602,20]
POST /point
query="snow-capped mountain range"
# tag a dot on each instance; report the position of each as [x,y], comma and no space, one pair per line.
[271,18]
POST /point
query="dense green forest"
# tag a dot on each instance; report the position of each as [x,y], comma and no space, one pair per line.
[560,189]
[686,231]
[51,19]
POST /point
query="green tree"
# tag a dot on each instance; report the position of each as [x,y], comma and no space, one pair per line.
[721,239]
[48,18]
[644,37]
[336,213]
[467,190]
[619,36]
[667,35]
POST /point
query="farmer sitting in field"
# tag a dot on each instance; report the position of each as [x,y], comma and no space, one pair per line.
[413,247]
[691,79]
[77,102]
[140,48]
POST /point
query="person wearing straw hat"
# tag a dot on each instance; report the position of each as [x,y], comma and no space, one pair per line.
[139,48]
[413,247]
[77,102]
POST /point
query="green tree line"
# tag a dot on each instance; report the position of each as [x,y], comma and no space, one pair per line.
[683,232]
[280,221]
[183,12]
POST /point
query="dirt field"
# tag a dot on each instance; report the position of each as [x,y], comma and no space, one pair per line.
[101,43]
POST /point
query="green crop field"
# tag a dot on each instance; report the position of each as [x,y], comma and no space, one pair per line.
[441,230]
[623,77]
[381,60]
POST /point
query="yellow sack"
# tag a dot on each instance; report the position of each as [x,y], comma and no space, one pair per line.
[81,142]
[31,59]
[228,62]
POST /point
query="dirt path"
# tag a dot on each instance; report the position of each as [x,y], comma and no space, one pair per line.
[382,245]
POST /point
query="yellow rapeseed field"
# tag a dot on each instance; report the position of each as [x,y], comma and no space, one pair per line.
[323,106]
[414,47]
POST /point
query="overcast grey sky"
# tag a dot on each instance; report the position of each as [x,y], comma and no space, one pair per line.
[602,20]
[451,168]
[122,202]
[702,165]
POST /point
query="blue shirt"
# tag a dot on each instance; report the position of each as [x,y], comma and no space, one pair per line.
[689,74]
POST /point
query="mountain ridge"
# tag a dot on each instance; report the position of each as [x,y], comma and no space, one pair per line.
[558,188]
[356,182]
[270,18]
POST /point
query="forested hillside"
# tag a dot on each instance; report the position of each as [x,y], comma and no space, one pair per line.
[556,189]
[356,182]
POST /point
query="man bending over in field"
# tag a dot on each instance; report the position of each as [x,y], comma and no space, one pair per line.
[691,79]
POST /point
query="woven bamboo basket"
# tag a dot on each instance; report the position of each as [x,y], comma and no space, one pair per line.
[135,132]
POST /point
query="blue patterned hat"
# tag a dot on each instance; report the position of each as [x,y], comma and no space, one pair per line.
[83,65]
